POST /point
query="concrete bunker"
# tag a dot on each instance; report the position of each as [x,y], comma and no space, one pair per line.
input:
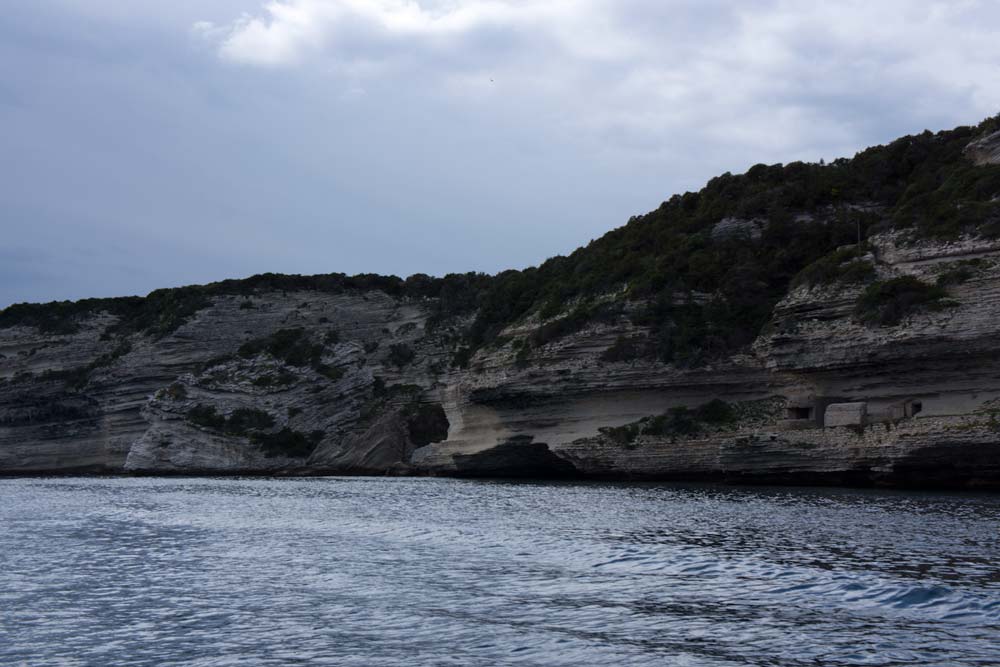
[846,414]
[807,412]
[896,411]
[828,412]
[799,413]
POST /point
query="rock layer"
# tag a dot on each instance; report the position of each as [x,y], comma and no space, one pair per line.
[361,382]
[543,416]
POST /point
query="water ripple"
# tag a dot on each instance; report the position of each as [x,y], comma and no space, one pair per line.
[369,572]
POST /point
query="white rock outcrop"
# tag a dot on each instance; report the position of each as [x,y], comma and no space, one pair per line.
[985,150]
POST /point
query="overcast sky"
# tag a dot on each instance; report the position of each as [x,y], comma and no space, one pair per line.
[148,143]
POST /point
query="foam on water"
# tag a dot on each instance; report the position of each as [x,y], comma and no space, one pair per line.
[449,572]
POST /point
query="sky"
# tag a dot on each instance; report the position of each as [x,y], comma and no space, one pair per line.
[151,144]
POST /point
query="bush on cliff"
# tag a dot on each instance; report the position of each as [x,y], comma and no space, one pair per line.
[960,273]
[714,294]
[280,379]
[206,416]
[295,348]
[240,422]
[627,348]
[718,291]
[289,345]
[77,378]
[577,319]
[677,422]
[401,354]
[162,311]
[332,373]
[255,424]
[889,302]
[844,265]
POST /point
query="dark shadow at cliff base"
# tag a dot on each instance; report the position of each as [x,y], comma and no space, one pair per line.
[536,463]
[516,458]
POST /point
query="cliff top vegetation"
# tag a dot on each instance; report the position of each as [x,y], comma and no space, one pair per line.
[707,294]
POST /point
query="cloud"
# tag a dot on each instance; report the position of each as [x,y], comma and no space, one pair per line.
[289,32]
[770,75]
[152,144]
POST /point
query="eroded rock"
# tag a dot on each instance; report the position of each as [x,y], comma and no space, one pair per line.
[372,390]
[985,150]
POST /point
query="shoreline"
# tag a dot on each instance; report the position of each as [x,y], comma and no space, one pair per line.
[989,487]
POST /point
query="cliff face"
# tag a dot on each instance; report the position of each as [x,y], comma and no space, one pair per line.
[77,402]
[547,415]
[925,393]
[358,381]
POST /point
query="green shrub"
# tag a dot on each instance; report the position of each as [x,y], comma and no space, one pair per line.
[331,373]
[716,412]
[678,422]
[27,376]
[73,378]
[280,379]
[401,354]
[689,334]
[206,416]
[563,326]
[623,435]
[382,394]
[550,309]
[289,345]
[294,347]
[176,392]
[241,422]
[580,317]
[123,348]
[78,377]
[843,265]
[889,302]
[960,273]
[523,356]
[163,311]
[463,355]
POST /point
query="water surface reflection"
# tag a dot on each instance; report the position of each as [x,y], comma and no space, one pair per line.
[456,572]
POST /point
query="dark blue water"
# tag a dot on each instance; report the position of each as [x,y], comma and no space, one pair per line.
[444,572]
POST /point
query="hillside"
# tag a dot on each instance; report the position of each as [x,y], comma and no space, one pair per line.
[683,344]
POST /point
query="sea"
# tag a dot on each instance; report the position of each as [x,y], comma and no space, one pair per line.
[413,572]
